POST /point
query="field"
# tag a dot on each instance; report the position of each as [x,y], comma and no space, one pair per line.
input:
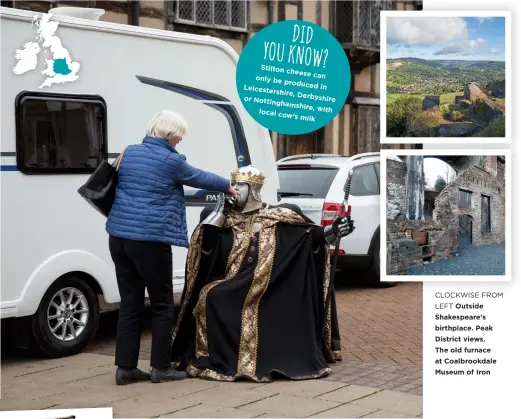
[444,98]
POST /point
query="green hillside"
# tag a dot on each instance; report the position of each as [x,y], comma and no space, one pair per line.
[437,77]
[409,80]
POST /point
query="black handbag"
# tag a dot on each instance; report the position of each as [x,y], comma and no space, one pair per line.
[100,190]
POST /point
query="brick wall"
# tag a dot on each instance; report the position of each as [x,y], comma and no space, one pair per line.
[404,253]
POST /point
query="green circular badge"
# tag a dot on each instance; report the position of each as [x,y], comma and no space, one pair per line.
[293,77]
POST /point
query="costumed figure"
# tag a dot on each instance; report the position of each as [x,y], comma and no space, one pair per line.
[254,300]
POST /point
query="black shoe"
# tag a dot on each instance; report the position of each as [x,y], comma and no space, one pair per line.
[126,376]
[163,376]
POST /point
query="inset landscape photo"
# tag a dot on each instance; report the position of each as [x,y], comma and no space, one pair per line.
[445,76]
[445,214]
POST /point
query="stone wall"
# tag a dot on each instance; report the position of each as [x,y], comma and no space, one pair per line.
[396,179]
[478,182]
[501,168]
[415,187]
[474,91]
[430,102]
[497,88]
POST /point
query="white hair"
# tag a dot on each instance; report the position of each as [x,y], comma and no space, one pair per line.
[166,123]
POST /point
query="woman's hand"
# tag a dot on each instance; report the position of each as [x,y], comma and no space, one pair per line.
[232,191]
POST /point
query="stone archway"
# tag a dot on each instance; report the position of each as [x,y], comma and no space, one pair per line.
[460,163]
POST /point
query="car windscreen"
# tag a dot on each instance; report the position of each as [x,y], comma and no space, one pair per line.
[306,181]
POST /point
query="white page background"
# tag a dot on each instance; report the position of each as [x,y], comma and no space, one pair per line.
[499,394]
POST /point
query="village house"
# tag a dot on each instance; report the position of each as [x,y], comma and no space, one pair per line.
[356,24]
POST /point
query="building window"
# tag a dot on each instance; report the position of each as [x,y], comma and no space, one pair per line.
[357,23]
[59,133]
[465,199]
[364,181]
[366,129]
[220,14]
[486,224]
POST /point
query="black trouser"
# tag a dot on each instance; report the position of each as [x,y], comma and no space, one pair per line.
[141,264]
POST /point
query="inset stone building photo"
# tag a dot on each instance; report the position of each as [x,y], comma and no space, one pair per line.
[445,215]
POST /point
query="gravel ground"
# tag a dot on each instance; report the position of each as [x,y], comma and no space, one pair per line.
[469,260]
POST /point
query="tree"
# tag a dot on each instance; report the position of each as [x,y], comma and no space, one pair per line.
[401,113]
[439,184]
[449,174]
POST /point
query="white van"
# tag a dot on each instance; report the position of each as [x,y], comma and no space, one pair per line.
[54,245]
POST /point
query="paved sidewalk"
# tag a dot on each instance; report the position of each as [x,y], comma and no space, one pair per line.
[87,381]
[381,336]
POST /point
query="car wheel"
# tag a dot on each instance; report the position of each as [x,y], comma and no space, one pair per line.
[374,270]
[67,318]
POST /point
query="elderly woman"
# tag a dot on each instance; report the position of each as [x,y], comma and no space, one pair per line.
[147,218]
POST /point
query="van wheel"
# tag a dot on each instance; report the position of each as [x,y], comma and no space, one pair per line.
[374,270]
[67,318]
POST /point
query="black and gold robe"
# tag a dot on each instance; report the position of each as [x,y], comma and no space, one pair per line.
[253,303]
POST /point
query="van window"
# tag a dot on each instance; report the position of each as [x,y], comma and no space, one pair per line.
[364,181]
[311,182]
[60,133]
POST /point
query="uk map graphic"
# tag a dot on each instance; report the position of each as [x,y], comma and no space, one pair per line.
[59,69]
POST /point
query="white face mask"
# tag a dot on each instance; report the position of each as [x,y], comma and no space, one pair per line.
[247,199]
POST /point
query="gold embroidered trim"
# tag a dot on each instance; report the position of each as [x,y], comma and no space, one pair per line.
[239,249]
[231,254]
[322,373]
[280,214]
[192,269]
[327,332]
[201,337]
[247,362]
[209,374]
[284,215]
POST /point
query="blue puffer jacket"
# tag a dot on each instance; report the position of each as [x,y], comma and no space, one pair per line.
[150,203]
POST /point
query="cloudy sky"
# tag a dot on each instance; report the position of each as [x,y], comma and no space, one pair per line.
[432,168]
[446,38]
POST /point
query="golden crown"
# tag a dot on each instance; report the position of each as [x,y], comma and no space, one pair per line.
[248,176]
